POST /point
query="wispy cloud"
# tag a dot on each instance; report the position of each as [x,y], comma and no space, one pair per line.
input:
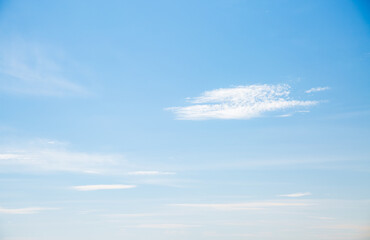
[242,102]
[323,218]
[52,156]
[317,89]
[243,206]
[150,173]
[345,226]
[102,187]
[295,195]
[28,68]
[164,226]
[232,235]
[132,215]
[30,210]
[285,115]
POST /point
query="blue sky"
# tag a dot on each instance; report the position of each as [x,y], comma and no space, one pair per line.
[184,120]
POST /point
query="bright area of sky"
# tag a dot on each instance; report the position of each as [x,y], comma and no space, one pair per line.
[184,120]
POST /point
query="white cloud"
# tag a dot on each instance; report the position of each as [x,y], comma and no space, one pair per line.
[150,173]
[165,226]
[345,226]
[317,89]
[132,215]
[242,102]
[53,156]
[243,206]
[44,156]
[242,235]
[324,218]
[102,187]
[285,115]
[30,210]
[295,195]
[28,68]
[8,156]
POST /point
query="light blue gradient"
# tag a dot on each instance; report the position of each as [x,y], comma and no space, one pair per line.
[85,92]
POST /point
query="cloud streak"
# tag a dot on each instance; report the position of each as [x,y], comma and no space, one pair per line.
[295,195]
[28,68]
[102,187]
[242,102]
[150,173]
[164,226]
[317,89]
[242,206]
[46,156]
[31,210]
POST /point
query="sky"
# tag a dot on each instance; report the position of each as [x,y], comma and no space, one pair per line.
[222,119]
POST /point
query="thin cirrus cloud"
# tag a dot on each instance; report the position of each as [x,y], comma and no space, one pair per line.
[164,226]
[150,173]
[243,206]
[295,195]
[30,210]
[132,215]
[102,187]
[46,155]
[242,102]
[317,89]
[32,69]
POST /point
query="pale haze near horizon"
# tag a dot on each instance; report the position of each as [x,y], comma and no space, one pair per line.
[184,120]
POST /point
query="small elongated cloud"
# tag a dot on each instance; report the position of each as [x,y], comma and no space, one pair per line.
[285,115]
[31,210]
[242,102]
[150,173]
[47,155]
[317,89]
[243,206]
[164,226]
[102,187]
[295,195]
[132,215]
